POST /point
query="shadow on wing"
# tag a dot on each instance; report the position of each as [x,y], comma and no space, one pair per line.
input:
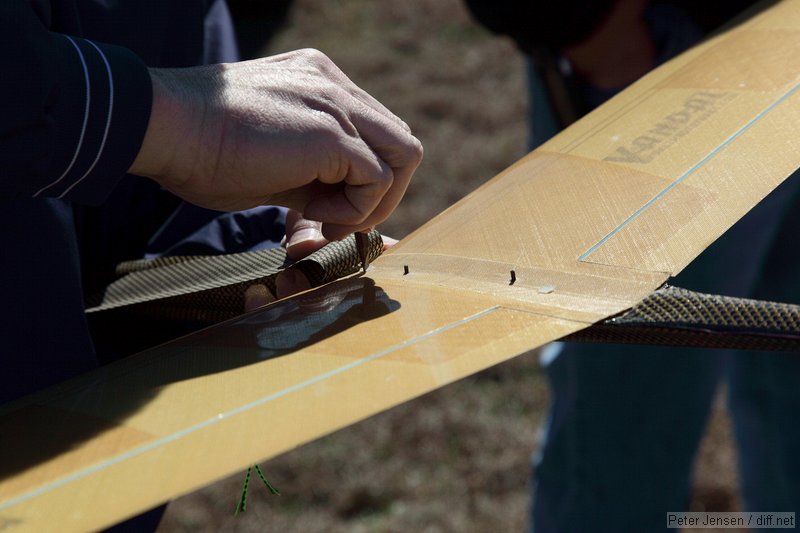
[290,325]
[95,406]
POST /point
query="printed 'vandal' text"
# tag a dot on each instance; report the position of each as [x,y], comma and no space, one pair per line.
[695,110]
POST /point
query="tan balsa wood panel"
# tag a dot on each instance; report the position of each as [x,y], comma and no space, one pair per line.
[164,422]
[590,224]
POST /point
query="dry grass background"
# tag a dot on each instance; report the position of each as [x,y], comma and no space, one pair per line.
[456,460]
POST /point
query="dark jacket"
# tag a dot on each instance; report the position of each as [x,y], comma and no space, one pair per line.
[76,98]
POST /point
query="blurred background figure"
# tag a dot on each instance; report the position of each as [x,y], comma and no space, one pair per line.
[582,52]
[625,422]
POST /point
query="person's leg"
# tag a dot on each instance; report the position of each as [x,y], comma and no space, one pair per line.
[625,422]
[765,405]
[623,430]
[764,391]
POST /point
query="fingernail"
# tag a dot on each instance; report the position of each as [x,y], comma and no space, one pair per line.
[302,235]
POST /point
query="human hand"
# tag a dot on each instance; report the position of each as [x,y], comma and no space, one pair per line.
[287,130]
[303,237]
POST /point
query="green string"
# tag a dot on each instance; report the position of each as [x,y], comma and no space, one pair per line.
[242,505]
[270,488]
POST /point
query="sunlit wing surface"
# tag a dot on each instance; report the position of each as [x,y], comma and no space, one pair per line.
[589,224]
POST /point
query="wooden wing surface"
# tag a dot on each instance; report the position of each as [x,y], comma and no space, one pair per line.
[585,226]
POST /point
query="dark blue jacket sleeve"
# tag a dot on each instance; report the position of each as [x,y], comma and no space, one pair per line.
[74,111]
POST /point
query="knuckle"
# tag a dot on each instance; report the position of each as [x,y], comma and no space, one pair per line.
[318,59]
[311,54]
[413,149]
[386,181]
[419,151]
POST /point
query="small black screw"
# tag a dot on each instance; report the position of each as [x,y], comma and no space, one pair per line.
[405,270]
[513,277]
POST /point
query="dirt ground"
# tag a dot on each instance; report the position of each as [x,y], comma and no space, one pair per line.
[456,460]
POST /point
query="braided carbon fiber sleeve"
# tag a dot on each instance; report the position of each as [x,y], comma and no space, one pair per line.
[677,317]
[211,288]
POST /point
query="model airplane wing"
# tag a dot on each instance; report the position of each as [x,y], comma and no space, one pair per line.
[581,229]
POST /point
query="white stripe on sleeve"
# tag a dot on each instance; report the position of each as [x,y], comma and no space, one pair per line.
[85,118]
[108,120]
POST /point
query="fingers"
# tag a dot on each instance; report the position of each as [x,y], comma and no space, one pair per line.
[290,281]
[256,296]
[397,148]
[388,242]
[379,156]
[363,180]
[287,283]
[379,169]
[402,153]
[303,237]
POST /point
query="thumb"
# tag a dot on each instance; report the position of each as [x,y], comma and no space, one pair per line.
[302,236]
